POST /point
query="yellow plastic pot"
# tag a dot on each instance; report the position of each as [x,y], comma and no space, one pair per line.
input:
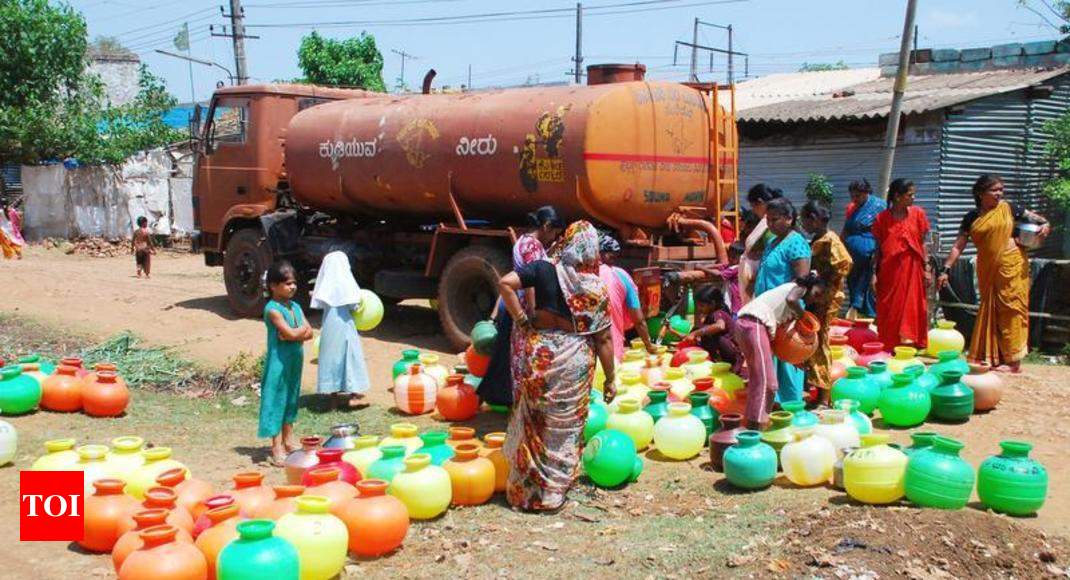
[157,461]
[321,539]
[425,489]
[875,473]
[364,454]
[369,313]
[404,434]
[60,456]
[125,456]
[631,420]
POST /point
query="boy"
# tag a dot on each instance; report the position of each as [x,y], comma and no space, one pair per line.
[142,246]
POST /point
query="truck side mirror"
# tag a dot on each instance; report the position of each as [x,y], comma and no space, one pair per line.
[195,125]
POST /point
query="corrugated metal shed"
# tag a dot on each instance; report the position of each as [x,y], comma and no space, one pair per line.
[831,100]
[841,161]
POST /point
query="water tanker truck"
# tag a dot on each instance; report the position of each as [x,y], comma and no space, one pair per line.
[426,193]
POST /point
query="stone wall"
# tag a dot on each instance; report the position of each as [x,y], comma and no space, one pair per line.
[120,77]
[1016,55]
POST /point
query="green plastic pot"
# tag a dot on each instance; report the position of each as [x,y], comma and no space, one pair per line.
[597,416]
[925,379]
[937,477]
[390,464]
[879,375]
[850,407]
[435,446]
[950,360]
[408,358]
[857,386]
[700,407]
[952,400]
[920,440]
[19,393]
[800,417]
[1011,482]
[905,403]
[780,431]
[659,405]
[257,554]
[609,459]
[484,334]
[750,463]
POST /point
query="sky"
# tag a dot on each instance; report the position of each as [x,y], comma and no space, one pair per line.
[778,35]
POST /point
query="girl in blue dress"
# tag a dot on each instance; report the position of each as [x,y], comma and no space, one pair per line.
[786,257]
[342,371]
[858,237]
[281,382]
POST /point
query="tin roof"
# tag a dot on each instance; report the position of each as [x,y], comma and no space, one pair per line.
[864,94]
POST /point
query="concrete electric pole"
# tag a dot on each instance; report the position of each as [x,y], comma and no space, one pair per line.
[891,134]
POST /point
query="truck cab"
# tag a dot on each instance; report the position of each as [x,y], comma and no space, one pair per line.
[239,170]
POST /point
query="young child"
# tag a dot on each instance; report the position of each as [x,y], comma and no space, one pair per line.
[342,372]
[832,262]
[142,246]
[757,324]
[714,327]
[281,383]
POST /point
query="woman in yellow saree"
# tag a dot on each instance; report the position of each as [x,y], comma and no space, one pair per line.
[1001,333]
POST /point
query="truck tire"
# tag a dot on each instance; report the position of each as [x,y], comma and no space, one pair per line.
[248,257]
[468,290]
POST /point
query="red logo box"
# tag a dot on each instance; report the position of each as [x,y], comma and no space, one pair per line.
[51,506]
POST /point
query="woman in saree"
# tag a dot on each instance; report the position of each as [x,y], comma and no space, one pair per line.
[1001,333]
[786,257]
[832,262]
[11,241]
[496,388]
[559,341]
[758,197]
[858,237]
[903,273]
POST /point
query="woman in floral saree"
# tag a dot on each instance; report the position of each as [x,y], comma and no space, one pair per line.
[1001,333]
[568,328]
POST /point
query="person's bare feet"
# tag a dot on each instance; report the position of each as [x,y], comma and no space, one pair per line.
[357,402]
[278,456]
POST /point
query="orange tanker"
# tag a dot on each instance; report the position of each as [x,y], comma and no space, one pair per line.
[427,192]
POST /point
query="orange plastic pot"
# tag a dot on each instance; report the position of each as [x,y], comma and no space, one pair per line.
[162,498]
[249,492]
[460,436]
[377,522]
[163,557]
[72,361]
[200,519]
[325,482]
[471,476]
[457,401]
[106,396]
[797,341]
[99,367]
[191,492]
[477,363]
[285,502]
[62,391]
[492,450]
[130,541]
[103,511]
[224,530]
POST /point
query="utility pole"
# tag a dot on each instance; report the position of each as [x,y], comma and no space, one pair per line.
[694,53]
[578,59]
[892,132]
[731,72]
[469,77]
[237,36]
[404,56]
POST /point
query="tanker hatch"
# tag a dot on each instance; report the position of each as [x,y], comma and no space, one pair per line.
[604,74]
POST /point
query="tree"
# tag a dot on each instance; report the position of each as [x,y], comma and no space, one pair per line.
[1054,13]
[47,100]
[1057,189]
[819,189]
[52,108]
[353,62]
[109,46]
[823,66]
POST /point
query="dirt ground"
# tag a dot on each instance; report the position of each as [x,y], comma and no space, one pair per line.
[679,520]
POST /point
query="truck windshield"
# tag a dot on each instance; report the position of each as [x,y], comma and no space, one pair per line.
[229,123]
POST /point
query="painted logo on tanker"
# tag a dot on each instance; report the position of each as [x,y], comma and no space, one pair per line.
[549,134]
[414,138]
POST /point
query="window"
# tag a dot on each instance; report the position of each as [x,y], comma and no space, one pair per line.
[229,123]
[309,102]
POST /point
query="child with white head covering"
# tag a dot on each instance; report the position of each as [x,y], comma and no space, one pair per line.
[341,360]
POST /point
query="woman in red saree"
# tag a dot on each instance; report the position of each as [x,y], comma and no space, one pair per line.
[903,272]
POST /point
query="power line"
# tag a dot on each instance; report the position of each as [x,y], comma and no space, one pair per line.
[168,30]
[164,23]
[342,3]
[500,16]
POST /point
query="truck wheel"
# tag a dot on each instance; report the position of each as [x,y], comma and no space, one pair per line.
[248,257]
[468,290]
